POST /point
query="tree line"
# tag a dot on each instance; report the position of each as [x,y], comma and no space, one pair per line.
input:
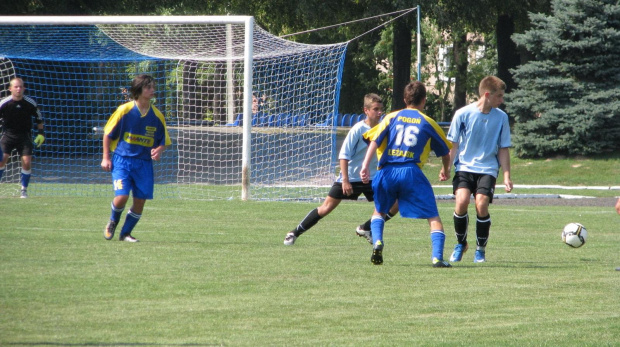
[559,58]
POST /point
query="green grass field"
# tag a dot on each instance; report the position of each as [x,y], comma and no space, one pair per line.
[577,172]
[215,273]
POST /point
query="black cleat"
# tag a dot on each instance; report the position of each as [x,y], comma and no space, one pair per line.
[377,253]
[440,263]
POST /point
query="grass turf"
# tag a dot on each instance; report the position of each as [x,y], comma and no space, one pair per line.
[210,273]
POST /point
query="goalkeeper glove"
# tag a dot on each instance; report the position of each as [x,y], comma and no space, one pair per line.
[39,140]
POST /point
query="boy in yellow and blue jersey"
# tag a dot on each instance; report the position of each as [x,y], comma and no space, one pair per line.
[136,133]
[402,141]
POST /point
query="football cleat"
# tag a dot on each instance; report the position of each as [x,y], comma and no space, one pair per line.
[108,232]
[479,256]
[23,194]
[128,238]
[364,233]
[290,238]
[459,250]
[440,263]
[377,253]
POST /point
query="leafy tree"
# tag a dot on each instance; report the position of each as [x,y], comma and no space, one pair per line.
[436,71]
[457,18]
[512,17]
[384,53]
[360,74]
[568,102]
[493,20]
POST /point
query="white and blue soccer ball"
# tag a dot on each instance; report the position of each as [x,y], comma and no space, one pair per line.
[574,235]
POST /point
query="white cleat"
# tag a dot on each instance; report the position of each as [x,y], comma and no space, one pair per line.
[290,238]
[128,238]
[364,233]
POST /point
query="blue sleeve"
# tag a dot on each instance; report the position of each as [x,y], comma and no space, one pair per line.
[113,131]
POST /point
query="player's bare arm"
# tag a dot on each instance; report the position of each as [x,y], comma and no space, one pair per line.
[444,174]
[365,172]
[453,152]
[106,163]
[347,188]
[504,161]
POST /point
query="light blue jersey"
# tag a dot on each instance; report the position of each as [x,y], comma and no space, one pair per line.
[354,150]
[480,136]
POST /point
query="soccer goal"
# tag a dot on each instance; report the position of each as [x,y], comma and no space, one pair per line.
[250,114]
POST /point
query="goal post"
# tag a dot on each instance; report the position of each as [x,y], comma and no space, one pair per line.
[247,110]
[250,114]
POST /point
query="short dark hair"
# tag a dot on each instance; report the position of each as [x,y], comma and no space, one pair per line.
[415,93]
[138,83]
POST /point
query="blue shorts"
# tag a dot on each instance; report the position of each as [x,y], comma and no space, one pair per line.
[132,175]
[409,186]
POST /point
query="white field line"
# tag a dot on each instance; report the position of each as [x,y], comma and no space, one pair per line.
[547,186]
[535,196]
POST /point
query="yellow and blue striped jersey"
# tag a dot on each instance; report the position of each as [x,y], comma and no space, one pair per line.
[407,136]
[134,134]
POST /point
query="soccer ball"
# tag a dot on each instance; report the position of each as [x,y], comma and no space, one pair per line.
[574,235]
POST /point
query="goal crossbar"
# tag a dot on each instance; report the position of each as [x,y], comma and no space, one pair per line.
[93,20]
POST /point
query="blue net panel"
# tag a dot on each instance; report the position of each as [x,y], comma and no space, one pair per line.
[62,43]
[79,74]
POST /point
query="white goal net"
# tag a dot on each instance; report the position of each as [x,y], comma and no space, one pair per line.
[250,114]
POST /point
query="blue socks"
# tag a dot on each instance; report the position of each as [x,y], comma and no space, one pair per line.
[131,219]
[24,178]
[130,222]
[438,239]
[376,227]
[115,216]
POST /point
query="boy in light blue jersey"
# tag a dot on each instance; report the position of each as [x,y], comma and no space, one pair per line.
[348,185]
[480,136]
[137,134]
[402,142]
